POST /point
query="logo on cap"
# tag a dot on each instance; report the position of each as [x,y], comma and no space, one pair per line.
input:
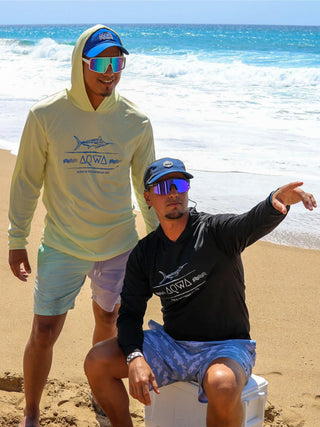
[105,36]
[167,164]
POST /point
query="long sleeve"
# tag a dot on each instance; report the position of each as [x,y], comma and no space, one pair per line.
[26,182]
[135,294]
[143,156]
[236,232]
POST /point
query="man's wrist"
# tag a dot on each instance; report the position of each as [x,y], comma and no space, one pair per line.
[134,355]
[271,196]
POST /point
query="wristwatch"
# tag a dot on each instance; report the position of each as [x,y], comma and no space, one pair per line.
[133,355]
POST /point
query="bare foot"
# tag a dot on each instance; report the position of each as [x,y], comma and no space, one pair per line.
[29,422]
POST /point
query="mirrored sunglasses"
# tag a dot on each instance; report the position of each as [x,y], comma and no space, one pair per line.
[101,64]
[164,187]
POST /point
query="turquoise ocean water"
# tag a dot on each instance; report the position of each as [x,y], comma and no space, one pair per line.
[239,104]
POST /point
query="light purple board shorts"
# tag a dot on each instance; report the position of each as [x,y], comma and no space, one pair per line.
[60,277]
[172,360]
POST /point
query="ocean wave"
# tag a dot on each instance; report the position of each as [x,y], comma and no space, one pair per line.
[226,69]
[209,72]
[15,47]
[44,48]
[48,48]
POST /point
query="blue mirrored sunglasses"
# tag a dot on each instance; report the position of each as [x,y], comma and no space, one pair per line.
[164,187]
[101,64]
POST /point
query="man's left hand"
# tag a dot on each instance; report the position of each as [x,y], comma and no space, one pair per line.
[140,376]
[291,194]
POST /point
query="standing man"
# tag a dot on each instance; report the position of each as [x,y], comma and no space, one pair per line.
[193,263]
[81,145]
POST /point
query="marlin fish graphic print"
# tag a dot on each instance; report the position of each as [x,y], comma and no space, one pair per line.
[91,143]
[91,156]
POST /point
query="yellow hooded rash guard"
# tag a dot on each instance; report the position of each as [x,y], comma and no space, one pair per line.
[82,157]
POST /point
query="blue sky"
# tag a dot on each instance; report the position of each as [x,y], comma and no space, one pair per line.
[277,12]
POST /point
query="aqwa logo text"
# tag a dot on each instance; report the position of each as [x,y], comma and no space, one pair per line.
[93,160]
[96,159]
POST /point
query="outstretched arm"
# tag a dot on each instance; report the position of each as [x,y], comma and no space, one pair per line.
[291,194]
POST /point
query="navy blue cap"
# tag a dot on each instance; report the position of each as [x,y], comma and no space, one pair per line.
[162,167]
[101,40]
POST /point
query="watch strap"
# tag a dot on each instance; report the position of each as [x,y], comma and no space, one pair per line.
[133,355]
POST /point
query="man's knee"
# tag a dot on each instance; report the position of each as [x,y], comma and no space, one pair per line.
[103,358]
[92,362]
[105,317]
[109,318]
[46,330]
[223,383]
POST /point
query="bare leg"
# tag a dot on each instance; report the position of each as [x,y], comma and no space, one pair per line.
[37,363]
[223,384]
[105,323]
[105,366]
[105,326]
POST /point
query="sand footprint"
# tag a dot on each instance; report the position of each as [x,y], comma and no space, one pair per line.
[314,399]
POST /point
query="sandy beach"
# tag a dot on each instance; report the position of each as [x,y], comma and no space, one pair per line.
[283,295]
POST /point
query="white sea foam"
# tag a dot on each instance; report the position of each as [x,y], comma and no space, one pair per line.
[243,128]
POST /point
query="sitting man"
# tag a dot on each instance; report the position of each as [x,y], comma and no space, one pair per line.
[192,262]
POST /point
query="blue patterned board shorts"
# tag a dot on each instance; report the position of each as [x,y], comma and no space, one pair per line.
[60,277]
[172,360]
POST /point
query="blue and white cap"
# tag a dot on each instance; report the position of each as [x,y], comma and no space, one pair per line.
[101,40]
[162,167]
